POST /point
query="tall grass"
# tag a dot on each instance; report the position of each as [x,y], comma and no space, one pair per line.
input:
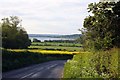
[100,64]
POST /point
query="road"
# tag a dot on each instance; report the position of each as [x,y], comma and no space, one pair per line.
[51,69]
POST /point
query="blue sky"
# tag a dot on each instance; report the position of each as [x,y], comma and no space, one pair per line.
[47,16]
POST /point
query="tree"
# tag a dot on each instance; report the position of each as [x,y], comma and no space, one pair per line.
[102,29]
[116,10]
[13,35]
[36,40]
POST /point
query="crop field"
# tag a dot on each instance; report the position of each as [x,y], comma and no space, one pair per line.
[51,48]
[43,51]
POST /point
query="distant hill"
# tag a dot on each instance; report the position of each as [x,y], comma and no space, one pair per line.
[73,36]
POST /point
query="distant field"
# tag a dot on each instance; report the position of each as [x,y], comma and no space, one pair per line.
[56,46]
[52,48]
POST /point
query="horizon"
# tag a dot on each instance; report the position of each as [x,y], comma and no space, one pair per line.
[52,34]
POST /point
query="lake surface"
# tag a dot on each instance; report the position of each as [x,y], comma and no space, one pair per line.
[48,38]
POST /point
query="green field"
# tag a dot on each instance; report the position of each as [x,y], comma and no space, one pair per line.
[65,44]
[56,46]
[59,48]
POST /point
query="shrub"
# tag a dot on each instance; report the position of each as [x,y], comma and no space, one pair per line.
[13,60]
[102,64]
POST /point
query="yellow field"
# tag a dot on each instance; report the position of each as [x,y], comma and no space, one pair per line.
[44,51]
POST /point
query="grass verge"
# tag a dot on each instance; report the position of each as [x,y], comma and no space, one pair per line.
[101,64]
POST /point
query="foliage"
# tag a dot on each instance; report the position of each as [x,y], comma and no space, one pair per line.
[116,10]
[36,40]
[102,64]
[13,35]
[17,59]
[102,29]
[80,39]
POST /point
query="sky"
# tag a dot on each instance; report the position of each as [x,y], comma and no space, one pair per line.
[47,16]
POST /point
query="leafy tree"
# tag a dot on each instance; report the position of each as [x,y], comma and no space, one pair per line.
[80,39]
[116,10]
[13,35]
[102,28]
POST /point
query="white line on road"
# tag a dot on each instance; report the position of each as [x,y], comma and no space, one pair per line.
[27,75]
[31,73]
[52,66]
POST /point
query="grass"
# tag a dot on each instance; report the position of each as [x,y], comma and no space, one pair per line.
[56,48]
[100,64]
[65,44]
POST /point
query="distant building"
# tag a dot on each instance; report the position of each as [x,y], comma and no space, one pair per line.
[109,0]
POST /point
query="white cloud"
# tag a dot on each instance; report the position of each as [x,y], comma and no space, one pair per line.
[47,16]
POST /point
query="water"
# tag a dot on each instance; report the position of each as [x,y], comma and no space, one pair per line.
[48,38]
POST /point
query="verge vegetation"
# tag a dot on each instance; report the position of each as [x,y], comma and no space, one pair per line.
[100,64]
[101,42]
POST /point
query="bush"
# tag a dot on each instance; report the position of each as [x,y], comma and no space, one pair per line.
[36,40]
[102,64]
[13,60]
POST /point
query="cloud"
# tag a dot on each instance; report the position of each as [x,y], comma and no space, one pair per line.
[47,16]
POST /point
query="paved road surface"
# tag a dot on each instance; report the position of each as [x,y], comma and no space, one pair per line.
[51,69]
